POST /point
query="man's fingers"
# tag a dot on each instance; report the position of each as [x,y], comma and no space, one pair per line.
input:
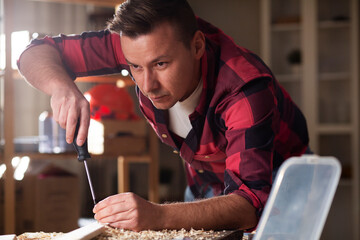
[70,128]
[84,120]
[111,211]
[77,116]
[109,201]
[70,107]
[119,220]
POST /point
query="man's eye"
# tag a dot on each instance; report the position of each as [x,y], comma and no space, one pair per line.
[161,64]
[135,68]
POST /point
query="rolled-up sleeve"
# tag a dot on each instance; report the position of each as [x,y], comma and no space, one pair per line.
[87,54]
[251,129]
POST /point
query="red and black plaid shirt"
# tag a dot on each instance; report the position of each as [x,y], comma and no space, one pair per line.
[244,127]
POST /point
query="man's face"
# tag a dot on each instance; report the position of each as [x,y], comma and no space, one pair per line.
[163,68]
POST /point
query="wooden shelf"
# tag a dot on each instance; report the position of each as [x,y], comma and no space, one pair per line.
[335,129]
[345,182]
[114,78]
[73,155]
[107,79]
[335,76]
[43,156]
[280,27]
[333,24]
[333,124]
[291,77]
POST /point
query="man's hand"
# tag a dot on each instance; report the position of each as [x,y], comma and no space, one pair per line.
[69,106]
[128,211]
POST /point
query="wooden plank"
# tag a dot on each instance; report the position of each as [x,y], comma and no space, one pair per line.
[84,233]
[8,237]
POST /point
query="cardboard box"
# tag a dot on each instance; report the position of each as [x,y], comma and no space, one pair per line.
[47,199]
[114,137]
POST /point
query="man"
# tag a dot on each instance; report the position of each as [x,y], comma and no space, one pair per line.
[214,102]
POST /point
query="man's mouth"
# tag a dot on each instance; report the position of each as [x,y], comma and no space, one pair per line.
[157,98]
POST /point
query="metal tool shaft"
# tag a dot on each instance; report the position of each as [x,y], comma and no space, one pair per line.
[90,183]
[83,155]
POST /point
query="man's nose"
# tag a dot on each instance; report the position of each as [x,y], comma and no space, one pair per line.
[150,82]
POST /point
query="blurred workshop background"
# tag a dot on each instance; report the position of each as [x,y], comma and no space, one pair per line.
[312,47]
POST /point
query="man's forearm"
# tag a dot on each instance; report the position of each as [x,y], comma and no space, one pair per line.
[42,68]
[218,213]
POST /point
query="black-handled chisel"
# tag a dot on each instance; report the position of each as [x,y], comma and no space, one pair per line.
[83,155]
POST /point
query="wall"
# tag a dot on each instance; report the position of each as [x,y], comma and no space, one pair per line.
[50,18]
[238,18]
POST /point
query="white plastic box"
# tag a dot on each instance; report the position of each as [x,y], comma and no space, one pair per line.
[300,199]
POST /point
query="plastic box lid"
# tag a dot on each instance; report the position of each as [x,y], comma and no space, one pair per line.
[300,199]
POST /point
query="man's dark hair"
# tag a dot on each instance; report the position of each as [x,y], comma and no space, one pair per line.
[138,17]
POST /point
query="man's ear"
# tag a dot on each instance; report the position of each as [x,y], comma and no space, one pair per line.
[198,44]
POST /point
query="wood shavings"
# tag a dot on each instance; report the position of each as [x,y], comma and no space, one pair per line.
[119,234]
[115,234]
[38,235]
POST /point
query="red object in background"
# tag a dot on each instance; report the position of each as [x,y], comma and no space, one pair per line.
[107,101]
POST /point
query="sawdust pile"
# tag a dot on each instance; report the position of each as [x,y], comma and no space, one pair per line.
[114,234]
[118,234]
[37,235]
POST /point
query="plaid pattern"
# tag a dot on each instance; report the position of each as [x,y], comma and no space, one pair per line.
[244,127]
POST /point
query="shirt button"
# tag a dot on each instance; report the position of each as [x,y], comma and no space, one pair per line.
[176,152]
[163,135]
[201,171]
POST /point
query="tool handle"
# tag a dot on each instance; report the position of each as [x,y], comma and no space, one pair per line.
[82,151]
